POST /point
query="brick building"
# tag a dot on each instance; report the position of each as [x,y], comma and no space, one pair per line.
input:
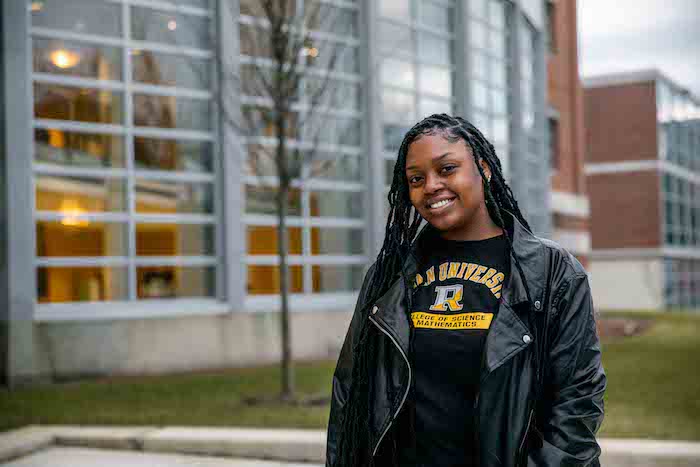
[134,221]
[643,177]
[568,200]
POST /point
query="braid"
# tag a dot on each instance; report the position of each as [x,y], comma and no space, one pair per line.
[402,226]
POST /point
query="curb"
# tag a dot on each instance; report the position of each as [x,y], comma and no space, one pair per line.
[272,444]
[289,445]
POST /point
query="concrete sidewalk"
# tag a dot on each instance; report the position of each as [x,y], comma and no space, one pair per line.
[57,456]
[280,444]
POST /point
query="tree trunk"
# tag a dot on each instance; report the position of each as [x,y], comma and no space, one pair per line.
[282,242]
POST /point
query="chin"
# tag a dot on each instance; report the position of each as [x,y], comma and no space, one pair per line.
[445,225]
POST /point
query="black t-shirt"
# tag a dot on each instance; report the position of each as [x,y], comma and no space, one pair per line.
[455,299]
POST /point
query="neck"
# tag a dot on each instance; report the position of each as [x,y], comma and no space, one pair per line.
[479,227]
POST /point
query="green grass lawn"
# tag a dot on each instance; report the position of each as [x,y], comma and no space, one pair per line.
[654,380]
[653,392]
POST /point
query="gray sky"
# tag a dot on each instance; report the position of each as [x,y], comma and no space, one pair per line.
[628,35]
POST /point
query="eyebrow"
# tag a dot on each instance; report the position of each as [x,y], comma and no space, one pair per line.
[436,159]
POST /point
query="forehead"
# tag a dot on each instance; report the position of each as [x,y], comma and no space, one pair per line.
[429,147]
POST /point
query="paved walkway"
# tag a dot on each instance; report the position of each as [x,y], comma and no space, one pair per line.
[77,446]
[84,457]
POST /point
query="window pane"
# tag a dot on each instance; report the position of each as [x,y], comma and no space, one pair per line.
[479,65]
[196,3]
[336,204]
[169,28]
[430,106]
[329,18]
[437,16]
[435,80]
[169,154]
[156,239]
[80,104]
[170,70]
[81,16]
[394,38]
[498,73]
[499,44]
[265,280]
[398,73]
[254,7]
[497,13]
[499,101]
[76,59]
[395,9]
[175,281]
[336,278]
[500,130]
[261,121]
[334,56]
[478,8]
[393,136]
[336,241]
[330,130]
[483,123]
[336,93]
[260,161]
[262,200]
[480,96]
[262,240]
[163,197]
[80,238]
[73,195]
[337,167]
[348,132]
[434,49]
[81,284]
[398,107]
[255,41]
[78,149]
[172,112]
[477,35]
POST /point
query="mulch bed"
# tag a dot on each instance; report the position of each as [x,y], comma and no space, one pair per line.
[622,327]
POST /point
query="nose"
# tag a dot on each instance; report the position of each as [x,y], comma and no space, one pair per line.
[433,183]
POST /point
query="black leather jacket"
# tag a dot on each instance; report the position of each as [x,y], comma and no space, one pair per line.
[511,433]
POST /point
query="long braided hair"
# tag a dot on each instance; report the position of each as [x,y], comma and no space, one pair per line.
[402,225]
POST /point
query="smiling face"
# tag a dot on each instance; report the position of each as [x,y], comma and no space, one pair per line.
[446,188]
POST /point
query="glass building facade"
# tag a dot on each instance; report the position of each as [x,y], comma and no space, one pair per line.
[123,151]
[139,196]
[678,121]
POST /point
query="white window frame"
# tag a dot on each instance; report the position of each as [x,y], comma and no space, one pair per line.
[133,307]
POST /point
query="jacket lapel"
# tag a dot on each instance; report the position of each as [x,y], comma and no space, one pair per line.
[505,338]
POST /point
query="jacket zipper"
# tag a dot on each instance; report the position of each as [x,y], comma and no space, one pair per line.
[476,415]
[408,387]
[519,455]
[475,419]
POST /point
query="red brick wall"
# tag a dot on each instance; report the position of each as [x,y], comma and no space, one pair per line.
[621,122]
[625,211]
[565,94]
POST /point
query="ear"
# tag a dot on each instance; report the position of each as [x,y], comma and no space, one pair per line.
[487,169]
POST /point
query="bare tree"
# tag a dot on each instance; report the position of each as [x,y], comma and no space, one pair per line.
[285,80]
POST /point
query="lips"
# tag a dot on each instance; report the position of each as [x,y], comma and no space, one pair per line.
[439,205]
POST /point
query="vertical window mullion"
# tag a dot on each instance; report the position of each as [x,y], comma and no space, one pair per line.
[307,272]
[129,153]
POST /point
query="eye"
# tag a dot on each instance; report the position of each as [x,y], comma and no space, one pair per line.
[448,168]
[414,179]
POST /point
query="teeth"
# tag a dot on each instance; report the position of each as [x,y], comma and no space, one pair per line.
[439,204]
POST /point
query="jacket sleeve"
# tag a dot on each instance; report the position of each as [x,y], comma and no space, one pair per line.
[342,376]
[575,383]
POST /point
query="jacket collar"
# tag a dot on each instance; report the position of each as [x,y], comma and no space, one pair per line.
[529,250]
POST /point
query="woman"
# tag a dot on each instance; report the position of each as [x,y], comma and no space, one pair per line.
[417,382]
